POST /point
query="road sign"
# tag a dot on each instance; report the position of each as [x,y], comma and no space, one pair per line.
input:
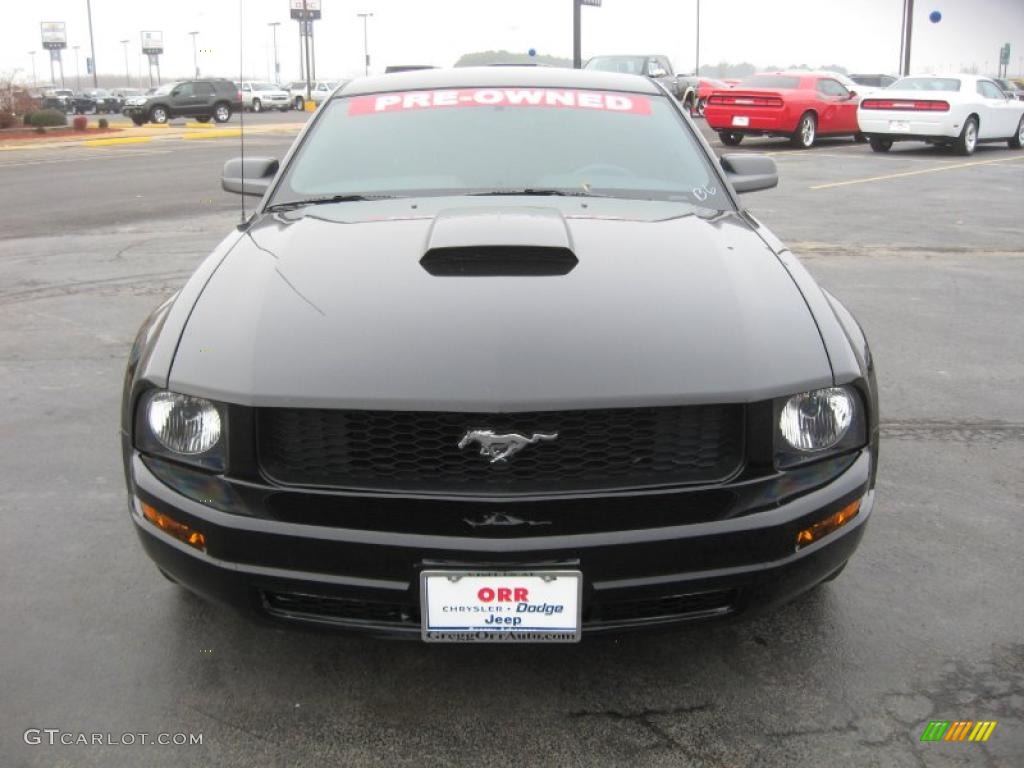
[152,42]
[312,9]
[596,3]
[88,65]
[54,34]
[1004,54]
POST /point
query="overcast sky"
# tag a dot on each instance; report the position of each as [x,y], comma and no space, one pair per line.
[862,35]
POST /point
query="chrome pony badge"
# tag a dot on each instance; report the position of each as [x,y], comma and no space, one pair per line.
[499,447]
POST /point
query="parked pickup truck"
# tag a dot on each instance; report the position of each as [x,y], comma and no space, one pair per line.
[656,67]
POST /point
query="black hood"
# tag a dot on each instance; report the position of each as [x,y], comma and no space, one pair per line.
[656,307]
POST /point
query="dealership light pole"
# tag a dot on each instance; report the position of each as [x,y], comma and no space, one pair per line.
[78,72]
[195,59]
[127,72]
[277,65]
[696,67]
[366,51]
[909,33]
[92,45]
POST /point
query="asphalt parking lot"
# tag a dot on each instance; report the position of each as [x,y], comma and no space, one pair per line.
[926,623]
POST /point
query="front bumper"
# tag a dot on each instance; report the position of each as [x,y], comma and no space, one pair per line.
[361,579]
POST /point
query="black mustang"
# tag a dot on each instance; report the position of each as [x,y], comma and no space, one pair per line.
[500,355]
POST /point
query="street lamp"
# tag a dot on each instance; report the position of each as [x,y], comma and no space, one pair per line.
[195,59]
[78,73]
[127,72]
[33,55]
[366,51]
[696,69]
[92,46]
[277,65]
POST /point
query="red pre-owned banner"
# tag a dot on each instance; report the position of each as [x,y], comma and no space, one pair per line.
[606,101]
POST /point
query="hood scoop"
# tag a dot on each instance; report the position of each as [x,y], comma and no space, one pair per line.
[499,261]
[499,242]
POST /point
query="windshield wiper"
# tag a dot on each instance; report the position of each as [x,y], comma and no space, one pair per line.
[291,205]
[528,191]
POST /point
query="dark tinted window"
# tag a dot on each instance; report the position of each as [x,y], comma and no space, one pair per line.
[203,89]
[771,81]
[183,91]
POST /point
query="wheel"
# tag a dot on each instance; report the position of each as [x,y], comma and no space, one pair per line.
[880,145]
[859,137]
[729,138]
[257,105]
[299,104]
[968,138]
[202,118]
[805,131]
[138,121]
[222,113]
[1016,142]
[701,103]
[158,115]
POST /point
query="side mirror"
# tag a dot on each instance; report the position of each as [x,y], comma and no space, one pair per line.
[853,94]
[750,173]
[251,176]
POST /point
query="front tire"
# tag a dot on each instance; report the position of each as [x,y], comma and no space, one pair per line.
[222,113]
[299,103]
[806,131]
[139,122]
[257,105]
[730,139]
[860,138]
[1016,142]
[701,104]
[968,138]
[158,115]
[880,145]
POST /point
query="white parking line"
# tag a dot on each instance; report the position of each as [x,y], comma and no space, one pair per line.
[85,157]
[947,167]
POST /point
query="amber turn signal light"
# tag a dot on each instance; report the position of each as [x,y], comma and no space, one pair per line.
[828,525]
[178,530]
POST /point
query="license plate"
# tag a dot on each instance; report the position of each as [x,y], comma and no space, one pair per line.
[740,121]
[501,606]
[899,126]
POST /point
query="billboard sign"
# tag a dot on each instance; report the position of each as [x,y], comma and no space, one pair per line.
[54,34]
[312,9]
[153,42]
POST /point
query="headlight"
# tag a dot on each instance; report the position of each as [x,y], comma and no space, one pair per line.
[823,421]
[814,421]
[183,424]
[181,427]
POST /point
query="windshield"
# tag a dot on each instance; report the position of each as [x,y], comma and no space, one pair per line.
[771,81]
[627,65]
[507,140]
[926,84]
[264,87]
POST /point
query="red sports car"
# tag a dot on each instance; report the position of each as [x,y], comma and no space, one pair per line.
[705,87]
[797,105]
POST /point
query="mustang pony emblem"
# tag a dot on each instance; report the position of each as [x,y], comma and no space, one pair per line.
[500,447]
[500,518]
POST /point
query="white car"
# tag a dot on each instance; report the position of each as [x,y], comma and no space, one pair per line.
[321,89]
[952,110]
[259,96]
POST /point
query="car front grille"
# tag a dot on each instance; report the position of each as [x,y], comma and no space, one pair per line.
[419,451]
[344,611]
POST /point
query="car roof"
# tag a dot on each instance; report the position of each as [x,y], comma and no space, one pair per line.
[499,77]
